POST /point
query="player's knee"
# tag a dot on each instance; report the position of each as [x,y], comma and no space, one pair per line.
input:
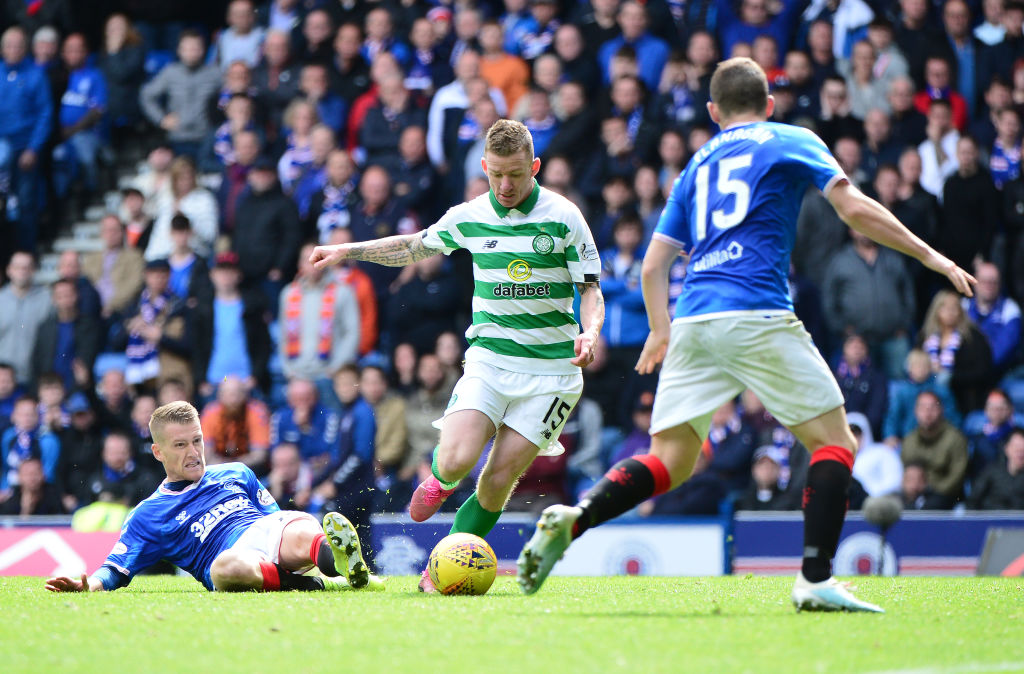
[231,572]
[493,489]
[456,462]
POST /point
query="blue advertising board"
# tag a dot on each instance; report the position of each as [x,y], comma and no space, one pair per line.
[920,544]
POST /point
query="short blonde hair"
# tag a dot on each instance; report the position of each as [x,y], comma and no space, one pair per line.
[506,137]
[177,412]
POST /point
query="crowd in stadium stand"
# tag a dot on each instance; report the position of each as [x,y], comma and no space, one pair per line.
[239,134]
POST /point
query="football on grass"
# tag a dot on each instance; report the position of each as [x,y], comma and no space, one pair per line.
[462,564]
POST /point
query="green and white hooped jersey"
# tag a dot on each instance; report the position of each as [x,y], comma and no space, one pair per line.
[526,261]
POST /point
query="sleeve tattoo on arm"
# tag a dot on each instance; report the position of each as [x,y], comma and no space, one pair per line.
[393,251]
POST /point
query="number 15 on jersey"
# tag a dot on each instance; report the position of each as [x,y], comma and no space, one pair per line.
[730,183]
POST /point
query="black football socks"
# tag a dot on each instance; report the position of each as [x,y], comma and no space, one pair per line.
[626,484]
[824,501]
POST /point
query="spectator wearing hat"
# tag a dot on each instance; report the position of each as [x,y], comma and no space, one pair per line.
[231,334]
[81,444]
[115,271]
[765,492]
[68,341]
[155,334]
[26,113]
[267,233]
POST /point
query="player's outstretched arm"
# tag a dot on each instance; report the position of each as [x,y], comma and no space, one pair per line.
[654,283]
[870,218]
[65,584]
[592,317]
[391,251]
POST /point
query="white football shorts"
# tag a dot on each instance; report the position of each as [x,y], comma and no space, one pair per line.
[264,535]
[534,405]
[711,361]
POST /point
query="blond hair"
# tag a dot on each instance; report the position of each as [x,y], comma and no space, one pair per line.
[931,319]
[179,167]
[177,412]
[506,137]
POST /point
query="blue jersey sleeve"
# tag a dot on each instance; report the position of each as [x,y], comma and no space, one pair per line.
[810,157]
[136,549]
[674,225]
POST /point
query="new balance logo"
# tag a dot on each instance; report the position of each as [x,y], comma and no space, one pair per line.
[491,243]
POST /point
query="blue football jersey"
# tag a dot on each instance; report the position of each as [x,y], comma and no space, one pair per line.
[735,207]
[189,528]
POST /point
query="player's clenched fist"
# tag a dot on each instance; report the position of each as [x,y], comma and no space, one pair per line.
[325,256]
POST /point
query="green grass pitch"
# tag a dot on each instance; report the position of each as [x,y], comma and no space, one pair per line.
[593,625]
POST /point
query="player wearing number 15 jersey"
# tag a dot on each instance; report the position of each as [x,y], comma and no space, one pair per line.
[733,210]
[532,250]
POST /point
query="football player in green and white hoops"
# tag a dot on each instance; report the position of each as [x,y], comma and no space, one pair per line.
[531,251]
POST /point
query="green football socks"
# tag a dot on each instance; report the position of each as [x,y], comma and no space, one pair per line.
[473,519]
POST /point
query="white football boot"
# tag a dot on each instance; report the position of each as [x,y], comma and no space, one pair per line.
[827,595]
